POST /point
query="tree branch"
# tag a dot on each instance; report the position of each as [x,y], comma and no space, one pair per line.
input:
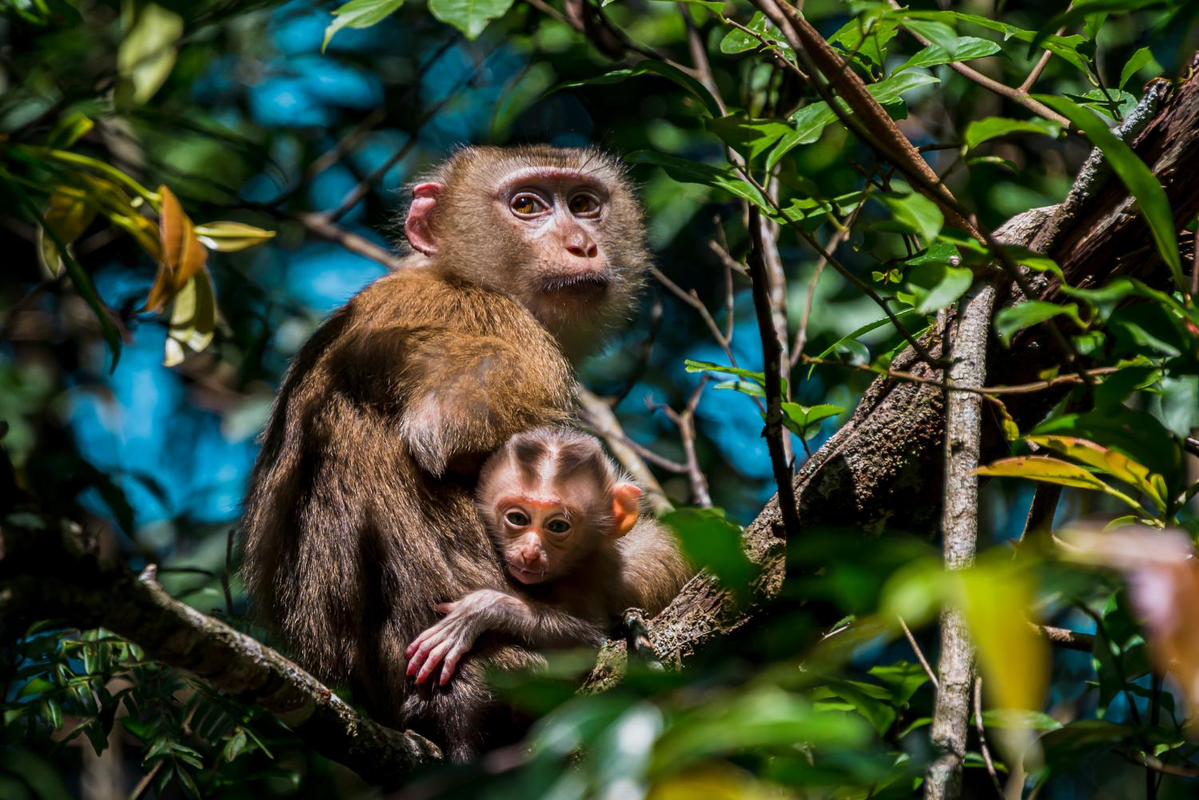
[884,466]
[968,335]
[50,570]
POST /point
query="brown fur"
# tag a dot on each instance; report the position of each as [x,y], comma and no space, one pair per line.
[585,576]
[353,528]
[599,575]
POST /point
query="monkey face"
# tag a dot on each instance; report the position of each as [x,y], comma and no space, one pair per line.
[558,230]
[539,538]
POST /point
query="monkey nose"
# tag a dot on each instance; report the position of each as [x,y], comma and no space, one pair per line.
[582,249]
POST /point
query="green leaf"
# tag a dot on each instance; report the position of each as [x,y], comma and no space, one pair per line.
[750,137]
[738,41]
[1066,746]
[68,214]
[469,16]
[934,55]
[360,14]
[686,171]
[230,237]
[712,542]
[715,6]
[709,366]
[866,38]
[69,130]
[193,319]
[661,69]
[1085,8]
[804,421]
[872,702]
[1115,104]
[1144,186]
[79,277]
[903,678]
[745,387]
[1136,62]
[811,120]
[1051,470]
[862,331]
[913,213]
[1033,312]
[1065,47]
[1021,719]
[147,53]
[933,286]
[984,130]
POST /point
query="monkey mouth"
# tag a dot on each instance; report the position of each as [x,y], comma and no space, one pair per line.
[581,283]
[525,575]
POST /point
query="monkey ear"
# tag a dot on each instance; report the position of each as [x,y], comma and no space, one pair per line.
[419,225]
[626,506]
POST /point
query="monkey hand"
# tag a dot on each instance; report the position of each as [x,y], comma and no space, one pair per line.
[447,641]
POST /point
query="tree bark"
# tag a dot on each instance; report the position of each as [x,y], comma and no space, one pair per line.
[883,467]
[48,569]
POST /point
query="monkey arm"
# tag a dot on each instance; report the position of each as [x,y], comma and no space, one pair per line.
[532,624]
[652,568]
[470,394]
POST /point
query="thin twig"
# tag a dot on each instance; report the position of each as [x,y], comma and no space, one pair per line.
[1017,95]
[928,670]
[1065,638]
[982,736]
[771,349]
[845,272]
[685,421]
[986,391]
[603,421]
[835,241]
[321,226]
[146,780]
[364,185]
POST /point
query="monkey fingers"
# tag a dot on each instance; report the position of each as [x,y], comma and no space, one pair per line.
[445,643]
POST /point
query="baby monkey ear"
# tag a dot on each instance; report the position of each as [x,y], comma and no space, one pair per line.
[419,225]
[626,505]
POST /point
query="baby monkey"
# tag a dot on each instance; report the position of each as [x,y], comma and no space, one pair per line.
[566,524]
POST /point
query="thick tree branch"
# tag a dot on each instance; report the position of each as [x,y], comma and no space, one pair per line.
[49,570]
[968,335]
[883,467]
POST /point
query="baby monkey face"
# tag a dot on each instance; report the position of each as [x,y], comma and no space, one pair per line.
[538,535]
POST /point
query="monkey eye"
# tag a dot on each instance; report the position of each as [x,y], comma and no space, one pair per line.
[527,205]
[557,526]
[517,518]
[584,204]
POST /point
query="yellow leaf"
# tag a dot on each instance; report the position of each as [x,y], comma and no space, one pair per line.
[1011,431]
[229,237]
[182,254]
[1051,470]
[193,319]
[147,53]
[68,216]
[996,599]
[1110,461]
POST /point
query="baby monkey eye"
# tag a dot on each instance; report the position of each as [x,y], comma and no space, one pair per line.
[526,205]
[584,205]
[517,518]
[557,526]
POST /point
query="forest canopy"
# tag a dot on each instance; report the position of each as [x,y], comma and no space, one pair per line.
[914,381]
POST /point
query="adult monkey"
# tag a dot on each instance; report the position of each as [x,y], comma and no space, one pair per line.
[360,516]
